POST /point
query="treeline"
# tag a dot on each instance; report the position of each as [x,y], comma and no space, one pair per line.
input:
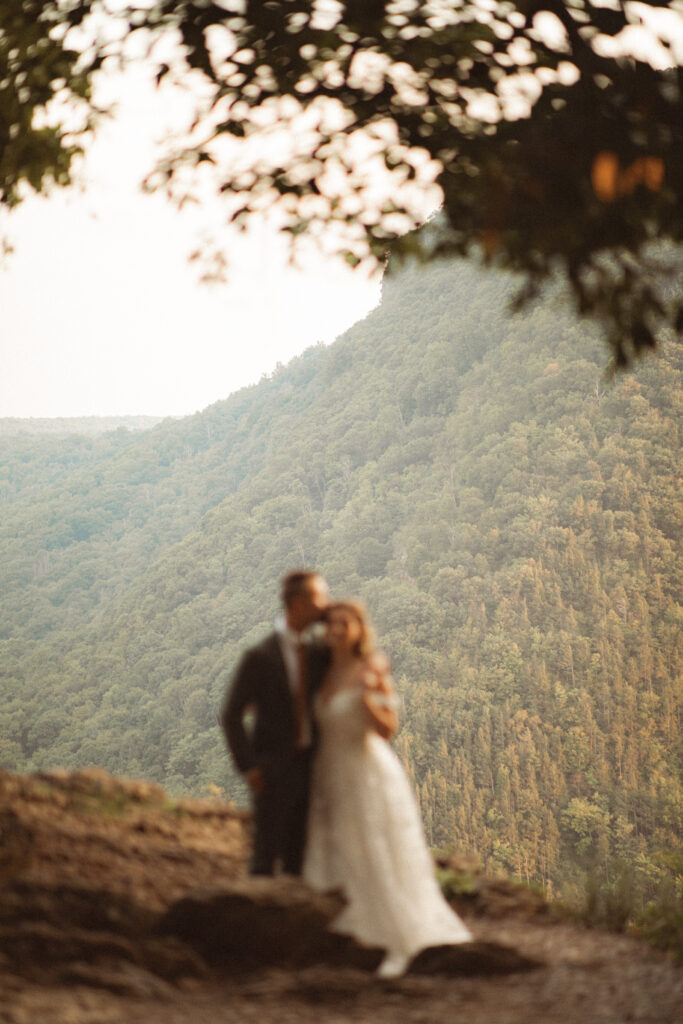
[63,426]
[511,517]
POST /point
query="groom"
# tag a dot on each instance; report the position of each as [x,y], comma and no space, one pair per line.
[274,682]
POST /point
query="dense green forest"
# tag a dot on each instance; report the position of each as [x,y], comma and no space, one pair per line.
[510,515]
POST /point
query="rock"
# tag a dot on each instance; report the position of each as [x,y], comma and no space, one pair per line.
[257,923]
[67,906]
[211,809]
[39,950]
[500,898]
[92,831]
[471,959]
[45,931]
[121,979]
[16,843]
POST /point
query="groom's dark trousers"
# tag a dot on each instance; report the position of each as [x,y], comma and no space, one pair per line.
[280,813]
[261,687]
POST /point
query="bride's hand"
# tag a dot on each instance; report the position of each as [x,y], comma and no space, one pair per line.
[377,675]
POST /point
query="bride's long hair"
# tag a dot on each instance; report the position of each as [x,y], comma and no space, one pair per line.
[365,645]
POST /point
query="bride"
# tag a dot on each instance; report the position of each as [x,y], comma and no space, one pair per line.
[364,830]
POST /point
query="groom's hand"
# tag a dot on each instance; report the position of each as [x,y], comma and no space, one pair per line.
[254,779]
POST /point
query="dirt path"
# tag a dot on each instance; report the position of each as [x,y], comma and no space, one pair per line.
[587,977]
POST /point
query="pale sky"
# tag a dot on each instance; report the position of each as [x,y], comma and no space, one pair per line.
[103,314]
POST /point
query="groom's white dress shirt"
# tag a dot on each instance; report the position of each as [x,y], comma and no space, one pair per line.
[289,645]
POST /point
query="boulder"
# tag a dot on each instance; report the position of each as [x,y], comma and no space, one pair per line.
[256,923]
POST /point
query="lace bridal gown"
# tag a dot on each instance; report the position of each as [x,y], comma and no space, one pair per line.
[365,837]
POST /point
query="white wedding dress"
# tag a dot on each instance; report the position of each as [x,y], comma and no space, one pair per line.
[365,837]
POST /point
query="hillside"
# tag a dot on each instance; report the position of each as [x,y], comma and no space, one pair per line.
[511,517]
[68,426]
[118,905]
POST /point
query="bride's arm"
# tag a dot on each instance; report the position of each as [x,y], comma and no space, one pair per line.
[379,696]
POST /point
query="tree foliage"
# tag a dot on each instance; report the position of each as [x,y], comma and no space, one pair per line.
[549,152]
[39,70]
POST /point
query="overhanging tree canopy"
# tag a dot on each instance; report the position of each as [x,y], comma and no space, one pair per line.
[549,151]
[39,69]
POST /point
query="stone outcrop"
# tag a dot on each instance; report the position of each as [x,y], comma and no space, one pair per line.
[258,923]
[118,904]
[106,882]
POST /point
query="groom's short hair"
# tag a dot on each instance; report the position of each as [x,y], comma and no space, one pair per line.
[295,584]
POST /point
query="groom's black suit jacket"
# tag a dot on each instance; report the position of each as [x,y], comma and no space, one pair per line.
[260,682]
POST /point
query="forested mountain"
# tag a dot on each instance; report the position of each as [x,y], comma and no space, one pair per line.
[70,425]
[510,516]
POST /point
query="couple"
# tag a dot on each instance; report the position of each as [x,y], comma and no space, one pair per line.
[331,800]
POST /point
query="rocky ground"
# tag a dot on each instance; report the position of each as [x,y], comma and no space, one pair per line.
[118,906]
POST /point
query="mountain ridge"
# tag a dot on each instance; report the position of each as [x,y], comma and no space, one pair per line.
[74,425]
[510,518]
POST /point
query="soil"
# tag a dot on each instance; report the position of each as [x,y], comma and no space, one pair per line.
[119,906]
